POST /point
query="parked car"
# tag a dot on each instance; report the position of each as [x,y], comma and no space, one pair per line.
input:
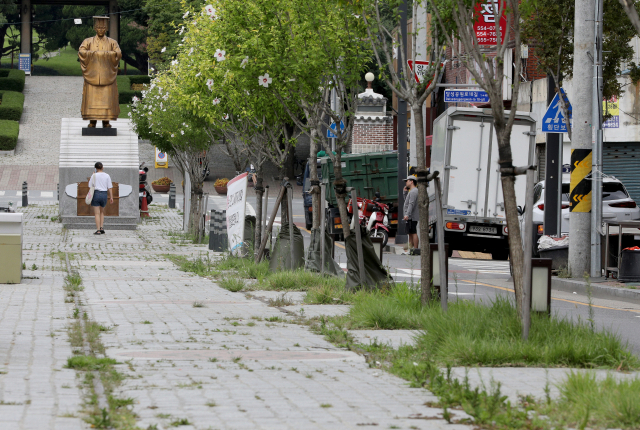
[617,205]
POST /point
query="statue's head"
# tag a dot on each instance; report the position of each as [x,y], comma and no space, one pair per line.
[100,25]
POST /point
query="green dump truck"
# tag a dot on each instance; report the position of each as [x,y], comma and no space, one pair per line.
[369,173]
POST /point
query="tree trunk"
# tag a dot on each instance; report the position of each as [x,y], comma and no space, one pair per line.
[284,206]
[259,194]
[340,184]
[195,215]
[423,202]
[314,190]
[516,253]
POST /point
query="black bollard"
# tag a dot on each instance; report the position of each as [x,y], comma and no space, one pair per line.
[172,196]
[25,198]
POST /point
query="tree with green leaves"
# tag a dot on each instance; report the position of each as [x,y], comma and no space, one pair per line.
[159,118]
[456,19]
[549,31]
[388,48]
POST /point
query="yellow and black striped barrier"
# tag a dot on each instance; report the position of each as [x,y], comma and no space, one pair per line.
[580,198]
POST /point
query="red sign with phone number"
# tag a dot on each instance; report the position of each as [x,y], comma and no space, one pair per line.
[485,25]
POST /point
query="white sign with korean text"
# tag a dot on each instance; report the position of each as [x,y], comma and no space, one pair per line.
[236,208]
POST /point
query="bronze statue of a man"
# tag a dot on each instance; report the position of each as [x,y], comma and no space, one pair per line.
[99,59]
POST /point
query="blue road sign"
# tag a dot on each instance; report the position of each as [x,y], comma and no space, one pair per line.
[331,134]
[466,96]
[24,63]
[553,119]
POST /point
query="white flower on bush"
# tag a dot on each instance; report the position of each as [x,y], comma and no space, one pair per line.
[264,80]
[172,135]
[186,14]
[174,63]
[216,101]
[244,62]
[226,116]
[220,54]
[181,31]
[163,49]
[182,132]
[210,84]
[135,99]
[198,75]
[190,51]
[210,10]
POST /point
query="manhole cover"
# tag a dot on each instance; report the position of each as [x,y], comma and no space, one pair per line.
[228,355]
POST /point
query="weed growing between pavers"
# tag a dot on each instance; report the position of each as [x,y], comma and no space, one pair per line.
[604,403]
[84,336]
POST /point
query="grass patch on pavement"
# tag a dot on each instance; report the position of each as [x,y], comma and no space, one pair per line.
[488,334]
[88,362]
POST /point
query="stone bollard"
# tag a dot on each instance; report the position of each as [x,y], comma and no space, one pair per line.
[172,196]
[25,198]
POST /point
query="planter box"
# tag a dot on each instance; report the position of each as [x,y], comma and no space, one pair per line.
[221,190]
[160,188]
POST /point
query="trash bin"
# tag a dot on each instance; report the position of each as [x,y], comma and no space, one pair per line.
[629,265]
[11,248]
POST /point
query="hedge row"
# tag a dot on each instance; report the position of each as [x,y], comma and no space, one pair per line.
[126,94]
[12,80]
[11,105]
[8,135]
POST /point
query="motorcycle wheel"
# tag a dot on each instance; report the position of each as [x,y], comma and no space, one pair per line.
[149,199]
[380,233]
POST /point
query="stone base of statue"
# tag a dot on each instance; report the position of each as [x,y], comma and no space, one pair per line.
[99,131]
[78,155]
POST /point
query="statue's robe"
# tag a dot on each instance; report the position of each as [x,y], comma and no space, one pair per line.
[99,59]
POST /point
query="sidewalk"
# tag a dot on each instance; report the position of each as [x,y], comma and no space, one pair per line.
[220,365]
[191,351]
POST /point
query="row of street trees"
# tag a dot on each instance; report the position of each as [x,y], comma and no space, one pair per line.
[255,75]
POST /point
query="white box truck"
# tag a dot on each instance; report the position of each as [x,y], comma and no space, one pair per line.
[465,152]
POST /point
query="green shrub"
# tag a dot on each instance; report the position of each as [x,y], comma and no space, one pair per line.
[12,105]
[12,80]
[8,135]
[125,93]
[139,79]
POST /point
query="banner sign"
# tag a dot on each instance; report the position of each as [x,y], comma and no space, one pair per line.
[485,26]
[236,208]
[466,96]
[24,63]
[611,107]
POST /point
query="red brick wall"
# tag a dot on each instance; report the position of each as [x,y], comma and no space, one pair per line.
[373,133]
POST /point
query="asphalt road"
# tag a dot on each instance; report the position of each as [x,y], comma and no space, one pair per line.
[468,279]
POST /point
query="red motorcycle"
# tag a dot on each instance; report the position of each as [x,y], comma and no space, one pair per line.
[374,216]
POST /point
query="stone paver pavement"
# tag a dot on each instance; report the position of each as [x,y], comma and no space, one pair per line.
[191,350]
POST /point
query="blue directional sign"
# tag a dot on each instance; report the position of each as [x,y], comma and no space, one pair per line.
[466,96]
[331,134]
[553,119]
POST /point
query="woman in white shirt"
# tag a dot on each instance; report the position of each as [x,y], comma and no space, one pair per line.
[102,183]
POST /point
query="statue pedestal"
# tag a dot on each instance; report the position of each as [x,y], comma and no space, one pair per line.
[99,131]
[118,154]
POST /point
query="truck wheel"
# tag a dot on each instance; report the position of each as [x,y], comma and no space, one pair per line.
[380,233]
[500,254]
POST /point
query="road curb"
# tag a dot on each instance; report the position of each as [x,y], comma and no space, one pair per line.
[601,291]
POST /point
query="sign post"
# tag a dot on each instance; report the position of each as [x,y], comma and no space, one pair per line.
[24,63]
[236,207]
[553,123]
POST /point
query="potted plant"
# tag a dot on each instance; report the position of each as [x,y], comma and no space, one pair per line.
[161,185]
[221,185]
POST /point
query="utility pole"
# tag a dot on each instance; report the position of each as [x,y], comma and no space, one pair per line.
[582,140]
[402,123]
[596,176]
